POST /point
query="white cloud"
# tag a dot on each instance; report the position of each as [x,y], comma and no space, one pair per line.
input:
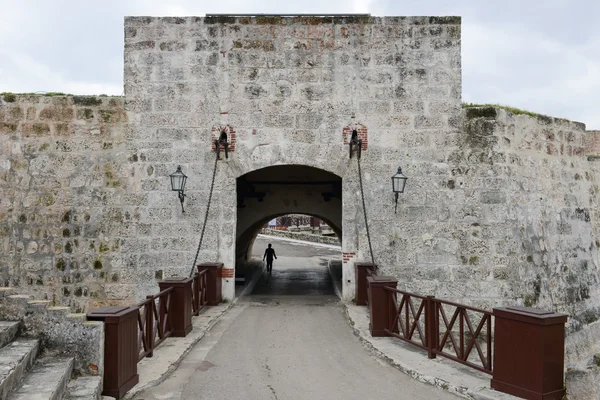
[517,53]
[510,65]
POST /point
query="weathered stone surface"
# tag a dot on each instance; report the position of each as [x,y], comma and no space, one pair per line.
[499,208]
[47,380]
[17,358]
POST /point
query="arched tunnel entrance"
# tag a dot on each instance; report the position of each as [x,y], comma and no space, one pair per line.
[274,191]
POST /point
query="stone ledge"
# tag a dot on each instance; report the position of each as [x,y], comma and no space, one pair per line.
[440,372]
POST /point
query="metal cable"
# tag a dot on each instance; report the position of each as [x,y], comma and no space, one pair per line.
[362,195]
[212,186]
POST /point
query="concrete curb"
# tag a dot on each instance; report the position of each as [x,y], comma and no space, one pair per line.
[164,373]
[329,246]
[255,278]
[336,284]
[461,381]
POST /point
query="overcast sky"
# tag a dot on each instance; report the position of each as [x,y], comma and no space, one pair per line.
[542,55]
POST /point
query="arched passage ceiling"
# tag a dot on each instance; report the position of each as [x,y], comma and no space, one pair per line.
[285,189]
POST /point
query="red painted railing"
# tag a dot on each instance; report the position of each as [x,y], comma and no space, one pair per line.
[442,327]
[153,322]
[199,299]
[474,330]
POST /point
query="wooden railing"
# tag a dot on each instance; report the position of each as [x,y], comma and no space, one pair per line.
[423,322]
[153,322]
[473,337]
[199,299]
[368,273]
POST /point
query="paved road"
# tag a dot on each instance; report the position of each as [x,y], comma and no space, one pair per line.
[289,340]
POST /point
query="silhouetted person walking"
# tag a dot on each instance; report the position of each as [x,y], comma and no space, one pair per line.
[269,254]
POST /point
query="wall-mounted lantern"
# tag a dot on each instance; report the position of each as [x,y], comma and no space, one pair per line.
[398,184]
[178,180]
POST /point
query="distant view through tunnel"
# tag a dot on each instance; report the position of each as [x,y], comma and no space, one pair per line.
[303,267]
[298,209]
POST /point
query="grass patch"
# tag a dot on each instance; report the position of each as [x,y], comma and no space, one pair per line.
[513,110]
[47,94]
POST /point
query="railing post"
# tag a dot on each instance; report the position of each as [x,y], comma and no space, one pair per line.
[196,291]
[180,307]
[431,328]
[361,271]
[213,282]
[380,306]
[150,325]
[120,348]
[529,352]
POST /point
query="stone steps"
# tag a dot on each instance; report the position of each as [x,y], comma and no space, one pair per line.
[84,388]
[47,380]
[15,359]
[8,332]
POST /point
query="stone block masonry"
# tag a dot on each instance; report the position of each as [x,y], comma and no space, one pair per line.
[499,209]
[288,87]
[66,196]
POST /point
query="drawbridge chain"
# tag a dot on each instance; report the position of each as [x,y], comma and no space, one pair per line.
[362,195]
[212,186]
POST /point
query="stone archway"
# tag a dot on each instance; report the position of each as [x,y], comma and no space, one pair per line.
[278,190]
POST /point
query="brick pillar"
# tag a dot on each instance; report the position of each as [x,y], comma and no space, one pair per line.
[213,282]
[380,306]
[362,270]
[180,308]
[529,352]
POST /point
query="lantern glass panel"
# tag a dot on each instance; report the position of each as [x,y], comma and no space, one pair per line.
[178,180]
[399,182]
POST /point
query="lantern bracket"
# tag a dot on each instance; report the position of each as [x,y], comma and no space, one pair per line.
[181,197]
[222,141]
[355,144]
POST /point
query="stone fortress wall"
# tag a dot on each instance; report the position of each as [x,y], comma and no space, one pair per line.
[499,208]
[66,197]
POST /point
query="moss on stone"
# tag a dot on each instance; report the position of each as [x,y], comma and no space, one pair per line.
[87,113]
[473,260]
[61,265]
[67,216]
[8,127]
[353,19]
[97,264]
[66,232]
[481,112]
[220,19]
[103,248]
[270,20]
[87,100]
[9,97]
[544,119]
[445,20]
